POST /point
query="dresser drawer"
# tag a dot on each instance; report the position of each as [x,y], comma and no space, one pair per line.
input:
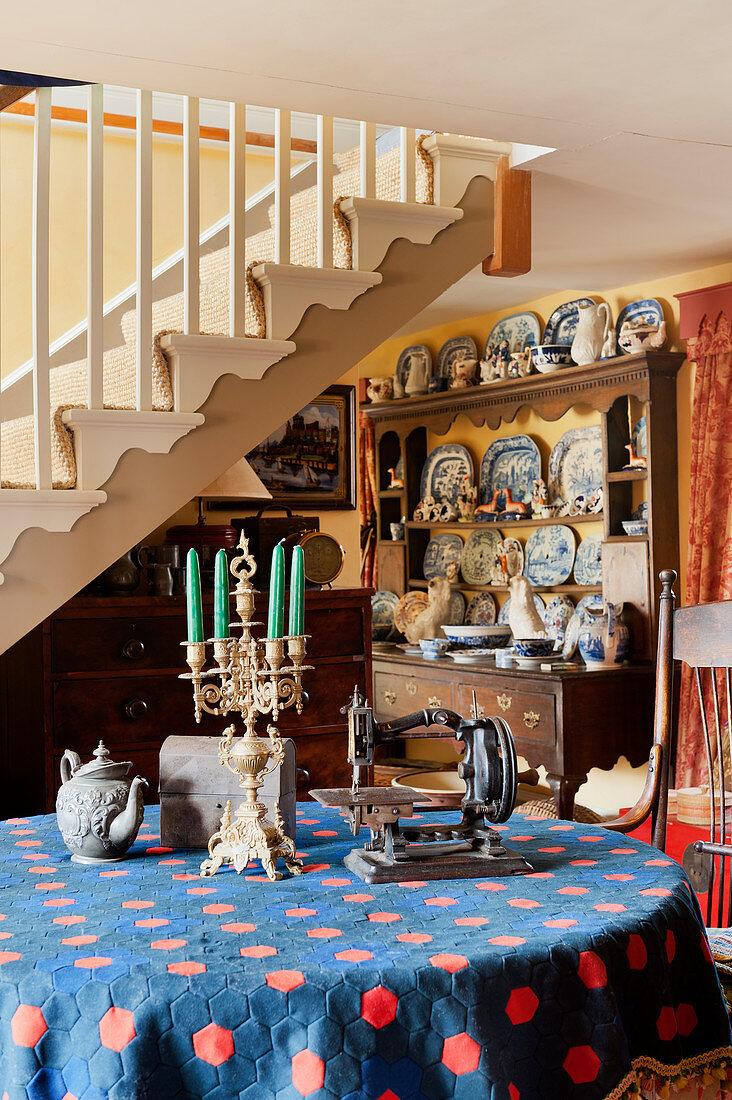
[118,644]
[329,688]
[530,714]
[397,693]
[320,761]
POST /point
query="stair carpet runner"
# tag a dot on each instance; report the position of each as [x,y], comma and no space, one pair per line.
[68,383]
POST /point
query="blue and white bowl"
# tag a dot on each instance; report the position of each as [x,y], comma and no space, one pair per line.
[550,357]
[635,527]
[533,647]
[432,648]
[479,635]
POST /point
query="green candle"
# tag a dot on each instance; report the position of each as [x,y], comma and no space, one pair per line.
[221,596]
[275,619]
[297,592]
[193,598]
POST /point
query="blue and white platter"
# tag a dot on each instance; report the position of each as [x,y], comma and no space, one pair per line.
[593,600]
[479,553]
[457,609]
[562,325]
[444,472]
[506,607]
[519,330]
[588,562]
[549,554]
[559,611]
[513,463]
[382,614]
[639,438]
[481,610]
[575,464]
[441,550]
[403,362]
[458,347]
[646,311]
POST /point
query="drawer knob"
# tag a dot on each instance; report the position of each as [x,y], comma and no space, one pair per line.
[433,701]
[531,719]
[135,709]
[390,697]
[411,687]
[504,701]
[302,776]
[133,649]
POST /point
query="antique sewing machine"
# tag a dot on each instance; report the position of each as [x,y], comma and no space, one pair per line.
[468,848]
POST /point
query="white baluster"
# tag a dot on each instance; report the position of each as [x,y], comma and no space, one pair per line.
[95,246]
[144,251]
[368,160]
[41,357]
[325,191]
[191,217]
[282,187]
[237,218]
[407,165]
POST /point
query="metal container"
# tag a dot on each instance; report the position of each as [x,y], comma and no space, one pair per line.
[195,787]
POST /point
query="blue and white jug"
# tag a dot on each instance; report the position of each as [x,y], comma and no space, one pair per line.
[604,642]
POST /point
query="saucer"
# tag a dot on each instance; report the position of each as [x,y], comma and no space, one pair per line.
[536,662]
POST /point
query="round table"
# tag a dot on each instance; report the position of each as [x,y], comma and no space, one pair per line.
[140,979]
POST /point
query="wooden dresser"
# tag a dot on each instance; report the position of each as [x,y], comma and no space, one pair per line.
[567,721]
[108,668]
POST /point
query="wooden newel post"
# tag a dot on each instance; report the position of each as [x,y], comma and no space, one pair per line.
[511,223]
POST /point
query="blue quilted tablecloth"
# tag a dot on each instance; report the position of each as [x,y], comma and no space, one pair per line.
[139,979]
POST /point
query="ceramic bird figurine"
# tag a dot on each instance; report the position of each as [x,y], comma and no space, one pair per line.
[396,482]
[635,462]
[523,618]
[429,621]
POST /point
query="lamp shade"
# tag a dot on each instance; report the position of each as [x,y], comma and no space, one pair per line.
[239,482]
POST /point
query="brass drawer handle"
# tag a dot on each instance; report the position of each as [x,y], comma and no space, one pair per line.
[411,687]
[504,701]
[531,719]
[433,701]
[390,698]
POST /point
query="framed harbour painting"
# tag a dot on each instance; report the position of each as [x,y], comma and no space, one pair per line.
[309,461]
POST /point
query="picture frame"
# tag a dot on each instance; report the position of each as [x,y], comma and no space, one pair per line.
[312,473]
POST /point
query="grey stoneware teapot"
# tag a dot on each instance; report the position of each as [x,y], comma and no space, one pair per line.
[98,810]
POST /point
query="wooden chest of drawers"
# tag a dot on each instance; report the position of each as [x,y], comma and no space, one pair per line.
[103,668]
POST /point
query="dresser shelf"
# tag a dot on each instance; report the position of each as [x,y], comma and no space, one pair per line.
[506,525]
[416,582]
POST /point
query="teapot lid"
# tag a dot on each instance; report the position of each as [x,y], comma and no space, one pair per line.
[102,767]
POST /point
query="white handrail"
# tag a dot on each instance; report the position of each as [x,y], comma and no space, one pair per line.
[237,218]
[144,250]
[407,165]
[191,217]
[41,358]
[325,191]
[95,246]
[368,160]
[282,187]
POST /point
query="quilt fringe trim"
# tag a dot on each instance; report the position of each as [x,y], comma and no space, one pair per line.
[712,1068]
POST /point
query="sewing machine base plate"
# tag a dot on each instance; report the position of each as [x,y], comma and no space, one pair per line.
[378,867]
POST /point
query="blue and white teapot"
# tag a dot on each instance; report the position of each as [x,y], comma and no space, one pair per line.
[604,641]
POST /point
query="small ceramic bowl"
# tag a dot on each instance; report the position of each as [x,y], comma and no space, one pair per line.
[479,635]
[635,526]
[533,647]
[550,357]
[432,648]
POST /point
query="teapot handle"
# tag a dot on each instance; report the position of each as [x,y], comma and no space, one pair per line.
[69,763]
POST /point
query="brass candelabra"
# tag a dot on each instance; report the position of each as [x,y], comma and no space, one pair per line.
[250,678]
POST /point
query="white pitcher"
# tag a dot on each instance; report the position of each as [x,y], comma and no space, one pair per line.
[592,329]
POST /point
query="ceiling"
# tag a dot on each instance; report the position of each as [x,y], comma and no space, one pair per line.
[633,99]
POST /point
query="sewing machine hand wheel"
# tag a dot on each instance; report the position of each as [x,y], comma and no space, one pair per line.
[509,786]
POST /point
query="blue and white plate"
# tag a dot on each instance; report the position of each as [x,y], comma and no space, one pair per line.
[519,330]
[457,609]
[639,438]
[549,554]
[481,610]
[646,311]
[559,611]
[444,472]
[562,325]
[441,550]
[575,464]
[479,553]
[506,607]
[588,562]
[571,636]
[403,362]
[513,463]
[382,614]
[458,347]
[593,600]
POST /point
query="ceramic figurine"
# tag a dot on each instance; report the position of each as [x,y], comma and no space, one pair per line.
[98,810]
[512,507]
[397,387]
[418,376]
[429,621]
[423,510]
[641,335]
[635,462]
[596,501]
[499,571]
[379,389]
[395,482]
[490,510]
[604,640]
[520,364]
[463,373]
[490,367]
[448,512]
[539,505]
[609,348]
[592,330]
[451,572]
[503,357]
[523,618]
[466,501]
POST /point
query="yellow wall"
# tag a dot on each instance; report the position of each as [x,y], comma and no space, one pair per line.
[383,361]
[68,219]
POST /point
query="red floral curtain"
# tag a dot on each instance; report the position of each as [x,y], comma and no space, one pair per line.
[709,562]
[367,499]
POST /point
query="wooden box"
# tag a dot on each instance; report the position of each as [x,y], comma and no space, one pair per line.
[195,787]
